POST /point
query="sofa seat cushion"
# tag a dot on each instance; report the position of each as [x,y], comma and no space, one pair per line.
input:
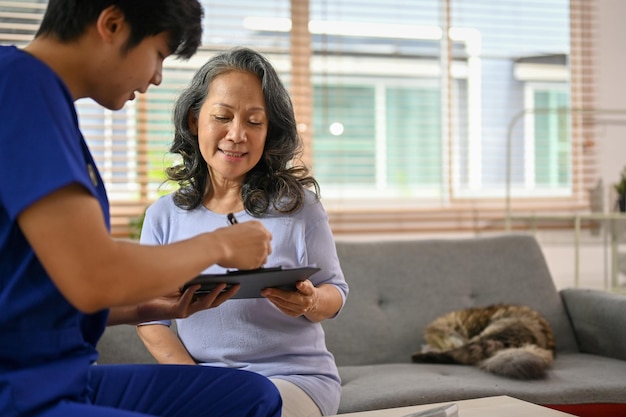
[370,387]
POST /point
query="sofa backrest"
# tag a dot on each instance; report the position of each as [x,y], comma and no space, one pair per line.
[398,287]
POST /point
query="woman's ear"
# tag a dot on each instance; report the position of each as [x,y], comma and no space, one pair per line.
[192,121]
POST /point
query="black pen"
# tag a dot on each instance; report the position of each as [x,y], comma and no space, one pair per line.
[232,219]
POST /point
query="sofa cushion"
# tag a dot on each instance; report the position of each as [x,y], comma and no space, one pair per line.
[121,344]
[398,287]
[394,385]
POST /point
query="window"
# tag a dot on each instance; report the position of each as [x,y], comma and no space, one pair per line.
[410,122]
[544,161]
[547,140]
[360,140]
[405,128]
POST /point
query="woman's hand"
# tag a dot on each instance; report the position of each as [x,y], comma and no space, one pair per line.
[314,303]
[294,303]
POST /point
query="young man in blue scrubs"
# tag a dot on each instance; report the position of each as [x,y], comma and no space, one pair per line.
[62,277]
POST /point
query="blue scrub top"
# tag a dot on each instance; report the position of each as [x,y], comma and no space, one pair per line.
[46,345]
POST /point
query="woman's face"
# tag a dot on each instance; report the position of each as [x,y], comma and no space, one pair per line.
[231,126]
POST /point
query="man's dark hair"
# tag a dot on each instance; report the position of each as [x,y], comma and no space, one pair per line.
[182,19]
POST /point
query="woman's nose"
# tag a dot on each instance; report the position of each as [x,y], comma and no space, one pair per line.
[237,133]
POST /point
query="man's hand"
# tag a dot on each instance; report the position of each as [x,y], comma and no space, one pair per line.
[246,245]
[175,305]
[179,305]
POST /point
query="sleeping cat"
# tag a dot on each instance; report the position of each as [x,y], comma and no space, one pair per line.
[508,340]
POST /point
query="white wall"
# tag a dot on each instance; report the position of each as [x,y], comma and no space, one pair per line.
[610,70]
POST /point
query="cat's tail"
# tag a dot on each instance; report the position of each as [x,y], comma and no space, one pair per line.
[526,362]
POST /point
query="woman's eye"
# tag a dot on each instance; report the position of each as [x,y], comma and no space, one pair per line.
[220,118]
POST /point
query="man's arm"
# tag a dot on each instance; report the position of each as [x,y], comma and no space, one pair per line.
[93,271]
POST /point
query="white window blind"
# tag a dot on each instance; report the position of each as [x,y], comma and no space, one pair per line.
[416,115]
[445,115]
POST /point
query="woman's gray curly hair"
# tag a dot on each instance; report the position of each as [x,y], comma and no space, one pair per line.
[274,181]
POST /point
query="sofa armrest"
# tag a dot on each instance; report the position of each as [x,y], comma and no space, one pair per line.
[598,319]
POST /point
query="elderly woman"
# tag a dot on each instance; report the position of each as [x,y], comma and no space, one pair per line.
[235,131]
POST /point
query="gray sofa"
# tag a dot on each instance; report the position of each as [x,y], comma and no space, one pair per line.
[397,287]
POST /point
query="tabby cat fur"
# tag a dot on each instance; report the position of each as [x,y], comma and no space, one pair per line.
[508,340]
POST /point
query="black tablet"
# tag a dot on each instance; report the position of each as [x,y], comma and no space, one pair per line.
[255,280]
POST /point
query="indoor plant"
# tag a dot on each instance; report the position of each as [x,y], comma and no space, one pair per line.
[620,189]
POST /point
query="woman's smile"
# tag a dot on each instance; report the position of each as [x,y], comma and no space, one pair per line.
[232,154]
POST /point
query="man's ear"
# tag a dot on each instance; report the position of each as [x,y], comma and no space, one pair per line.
[192,121]
[110,23]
